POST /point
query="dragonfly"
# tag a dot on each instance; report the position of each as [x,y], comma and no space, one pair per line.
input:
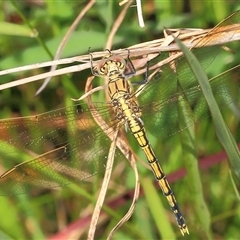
[127,111]
[66,145]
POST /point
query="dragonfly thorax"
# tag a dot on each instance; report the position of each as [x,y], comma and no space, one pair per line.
[124,103]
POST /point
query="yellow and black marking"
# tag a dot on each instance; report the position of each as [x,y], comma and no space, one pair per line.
[127,111]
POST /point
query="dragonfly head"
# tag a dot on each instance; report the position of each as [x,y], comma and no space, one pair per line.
[110,66]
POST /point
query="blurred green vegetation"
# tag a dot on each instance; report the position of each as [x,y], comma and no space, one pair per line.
[44,214]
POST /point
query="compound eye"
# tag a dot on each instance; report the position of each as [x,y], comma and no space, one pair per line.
[102,69]
[119,61]
[119,64]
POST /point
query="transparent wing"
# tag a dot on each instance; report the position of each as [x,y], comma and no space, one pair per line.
[160,97]
[65,144]
[160,115]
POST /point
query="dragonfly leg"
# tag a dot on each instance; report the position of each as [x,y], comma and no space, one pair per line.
[94,73]
[145,80]
[132,70]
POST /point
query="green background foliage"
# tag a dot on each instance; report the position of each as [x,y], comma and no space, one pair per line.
[43,214]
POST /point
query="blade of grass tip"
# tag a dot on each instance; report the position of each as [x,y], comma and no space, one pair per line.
[157,210]
[191,164]
[16,30]
[224,135]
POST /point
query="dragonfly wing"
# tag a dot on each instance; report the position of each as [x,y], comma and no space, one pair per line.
[159,98]
[59,146]
[162,97]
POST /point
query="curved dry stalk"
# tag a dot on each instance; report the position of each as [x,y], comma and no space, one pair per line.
[116,25]
[122,2]
[58,72]
[109,131]
[103,190]
[44,64]
[134,201]
[140,15]
[64,42]
[123,146]
[188,37]
[85,95]
[218,35]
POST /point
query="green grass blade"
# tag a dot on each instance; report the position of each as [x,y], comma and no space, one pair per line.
[16,30]
[157,210]
[224,135]
[190,159]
